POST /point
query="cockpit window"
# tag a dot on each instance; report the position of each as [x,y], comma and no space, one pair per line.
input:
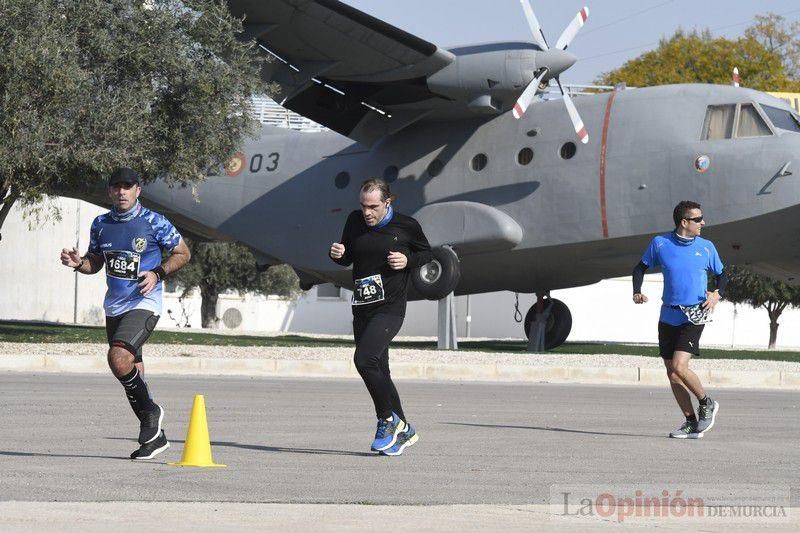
[719,122]
[782,119]
[750,123]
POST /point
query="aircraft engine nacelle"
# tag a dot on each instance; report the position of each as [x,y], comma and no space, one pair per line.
[488,81]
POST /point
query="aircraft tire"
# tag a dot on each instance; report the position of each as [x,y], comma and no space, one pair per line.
[437,279]
[558,326]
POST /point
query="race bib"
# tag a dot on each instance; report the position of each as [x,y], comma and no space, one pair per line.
[368,290]
[122,264]
[696,314]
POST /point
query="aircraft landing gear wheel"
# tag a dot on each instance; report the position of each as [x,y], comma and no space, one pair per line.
[437,279]
[558,325]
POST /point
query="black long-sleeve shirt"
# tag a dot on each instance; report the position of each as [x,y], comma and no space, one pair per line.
[367,249]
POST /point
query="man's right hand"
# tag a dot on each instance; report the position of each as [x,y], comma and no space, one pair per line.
[70,258]
[337,250]
[639,298]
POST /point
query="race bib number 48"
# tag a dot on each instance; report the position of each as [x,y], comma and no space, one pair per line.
[368,290]
[122,264]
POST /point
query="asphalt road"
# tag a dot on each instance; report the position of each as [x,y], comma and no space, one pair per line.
[67,438]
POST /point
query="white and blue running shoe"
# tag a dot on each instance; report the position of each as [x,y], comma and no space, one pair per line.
[405,439]
[386,435]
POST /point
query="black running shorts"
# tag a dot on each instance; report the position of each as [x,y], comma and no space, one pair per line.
[131,330]
[683,338]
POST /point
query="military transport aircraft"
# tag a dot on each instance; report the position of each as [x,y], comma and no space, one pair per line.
[515,192]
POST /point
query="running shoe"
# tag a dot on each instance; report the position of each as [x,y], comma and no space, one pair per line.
[687,431]
[386,434]
[706,416]
[405,439]
[152,448]
[150,428]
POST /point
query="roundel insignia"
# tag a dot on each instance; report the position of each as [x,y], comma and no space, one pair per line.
[235,166]
[702,163]
[139,244]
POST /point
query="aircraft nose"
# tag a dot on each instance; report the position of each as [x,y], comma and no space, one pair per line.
[556,60]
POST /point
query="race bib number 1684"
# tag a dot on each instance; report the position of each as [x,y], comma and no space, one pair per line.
[122,264]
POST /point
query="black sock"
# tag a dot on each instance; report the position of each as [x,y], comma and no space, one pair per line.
[692,419]
[705,399]
[137,393]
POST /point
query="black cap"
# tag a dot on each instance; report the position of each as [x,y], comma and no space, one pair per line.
[124,175]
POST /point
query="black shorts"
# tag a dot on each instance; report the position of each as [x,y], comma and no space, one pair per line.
[131,330]
[683,338]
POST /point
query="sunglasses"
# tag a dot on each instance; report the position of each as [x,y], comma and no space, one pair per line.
[695,219]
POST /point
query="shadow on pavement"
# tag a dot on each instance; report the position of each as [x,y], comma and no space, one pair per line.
[564,430]
[311,451]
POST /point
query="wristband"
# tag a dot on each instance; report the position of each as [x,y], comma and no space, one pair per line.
[79,265]
[160,273]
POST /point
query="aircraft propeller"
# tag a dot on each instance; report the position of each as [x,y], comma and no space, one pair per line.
[556,60]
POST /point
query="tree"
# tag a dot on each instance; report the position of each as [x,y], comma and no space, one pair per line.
[699,58]
[161,86]
[746,287]
[217,267]
[777,35]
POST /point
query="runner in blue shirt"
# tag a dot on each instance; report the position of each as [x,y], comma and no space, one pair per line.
[687,304]
[128,242]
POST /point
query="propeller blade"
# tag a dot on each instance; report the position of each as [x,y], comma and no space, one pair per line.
[735,77]
[577,123]
[572,30]
[536,29]
[526,97]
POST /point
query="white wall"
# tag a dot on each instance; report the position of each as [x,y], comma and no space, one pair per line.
[35,286]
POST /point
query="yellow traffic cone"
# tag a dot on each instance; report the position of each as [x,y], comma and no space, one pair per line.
[197,448]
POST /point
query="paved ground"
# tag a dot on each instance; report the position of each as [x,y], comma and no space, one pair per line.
[66,438]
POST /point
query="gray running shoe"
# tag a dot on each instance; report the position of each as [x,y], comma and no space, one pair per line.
[687,431]
[706,416]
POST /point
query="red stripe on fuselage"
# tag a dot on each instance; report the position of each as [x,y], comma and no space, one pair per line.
[603,146]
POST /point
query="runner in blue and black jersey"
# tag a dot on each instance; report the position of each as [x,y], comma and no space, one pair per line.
[128,241]
[687,304]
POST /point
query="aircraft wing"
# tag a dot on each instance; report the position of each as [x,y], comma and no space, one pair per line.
[342,68]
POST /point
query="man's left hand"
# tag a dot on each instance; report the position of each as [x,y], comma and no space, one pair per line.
[397,261]
[711,301]
[148,282]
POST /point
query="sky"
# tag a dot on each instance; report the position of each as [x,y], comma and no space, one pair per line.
[616,30]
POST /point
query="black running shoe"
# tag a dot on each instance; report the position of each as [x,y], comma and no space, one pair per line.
[150,428]
[152,448]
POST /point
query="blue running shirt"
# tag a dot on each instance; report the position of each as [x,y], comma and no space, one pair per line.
[129,248]
[684,263]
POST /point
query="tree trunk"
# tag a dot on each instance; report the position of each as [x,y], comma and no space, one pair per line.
[774,310]
[208,307]
[7,198]
[773,333]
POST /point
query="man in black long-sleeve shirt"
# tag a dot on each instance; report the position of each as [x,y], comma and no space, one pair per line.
[383,246]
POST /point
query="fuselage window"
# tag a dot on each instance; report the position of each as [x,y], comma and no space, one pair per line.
[479,162]
[568,150]
[391,173]
[719,122]
[342,180]
[435,168]
[750,123]
[525,156]
[782,119]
